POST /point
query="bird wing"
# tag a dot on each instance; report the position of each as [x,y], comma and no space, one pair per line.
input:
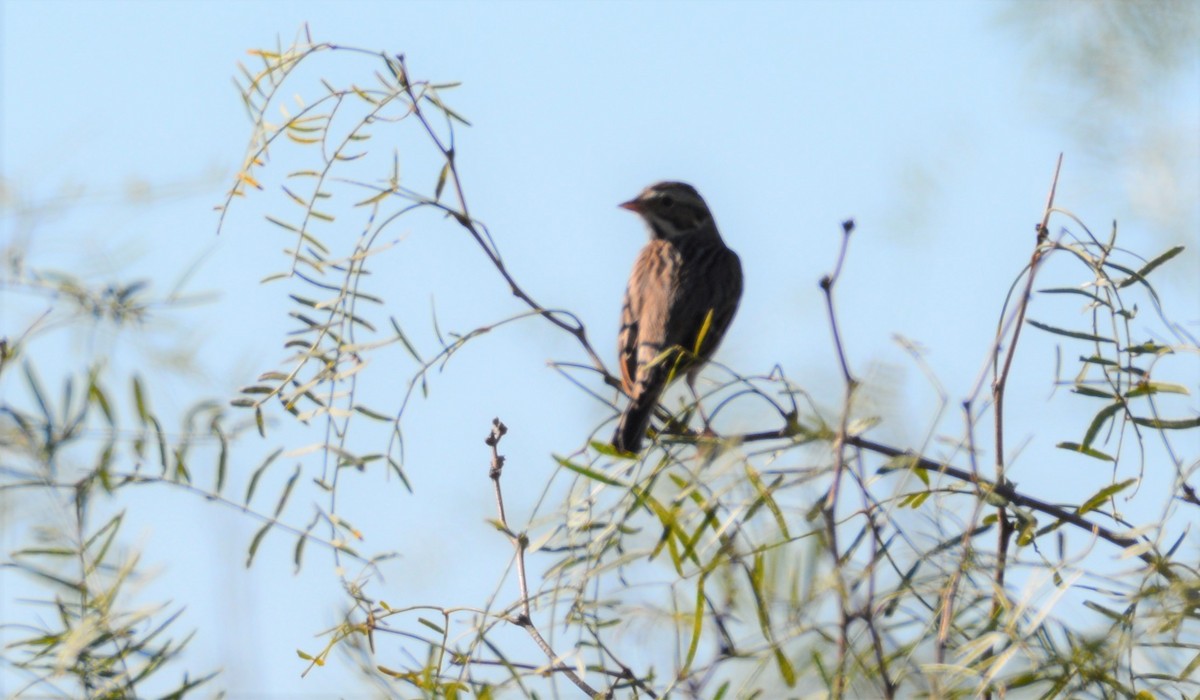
[711,284]
[627,343]
[649,300]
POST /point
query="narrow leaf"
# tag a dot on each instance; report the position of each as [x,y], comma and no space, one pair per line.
[259,472]
[764,493]
[586,472]
[1148,388]
[1104,494]
[441,181]
[1098,422]
[258,537]
[1080,292]
[1090,452]
[1150,266]
[1084,390]
[697,627]
[1070,334]
[287,491]
[139,400]
[1164,424]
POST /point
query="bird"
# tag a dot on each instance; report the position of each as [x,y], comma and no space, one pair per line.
[681,298]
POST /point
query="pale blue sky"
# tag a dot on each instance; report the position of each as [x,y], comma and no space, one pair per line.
[935,125]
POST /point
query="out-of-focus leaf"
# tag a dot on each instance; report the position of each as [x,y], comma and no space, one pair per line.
[1140,275]
[1098,422]
[1084,390]
[764,496]
[139,400]
[97,396]
[298,553]
[1165,424]
[1148,388]
[35,387]
[697,626]
[1074,290]
[1070,334]
[254,543]
[287,491]
[259,472]
[587,472]
[441,181]
[1090,452]
[1104,494]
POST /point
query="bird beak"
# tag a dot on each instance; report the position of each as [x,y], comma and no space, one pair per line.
[632,205]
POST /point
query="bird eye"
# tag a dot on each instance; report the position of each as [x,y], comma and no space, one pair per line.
[667,201]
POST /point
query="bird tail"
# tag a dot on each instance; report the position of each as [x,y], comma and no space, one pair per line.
[632,426]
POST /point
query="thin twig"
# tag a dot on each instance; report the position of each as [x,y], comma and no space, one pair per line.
[520,543]
[1010,494]
[829,511]
[480,234]
[1005,529]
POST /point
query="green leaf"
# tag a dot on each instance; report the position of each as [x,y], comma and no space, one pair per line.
[1073,290]
[606,449]
[97,396]
[1103,495]
[222,455]
[404,340]
[586,472]
[258,537]
[764,495]
[108,531]
[283,224]
[182,474]
[1148,388]
[1164,424]
[1187,671]
[259,472]
[139,400]
[1148,348]
[914,500]
[697,627]
[1098,422]
[1140,275]
[1084,390]
[371,414]
[35,387]
[287,491]
[1076,447]
[1070,334]
[785,668]
[399,472]
[757,574]
[298,553]
[162,443]
[1117,617]
[1097,360]
[441,181]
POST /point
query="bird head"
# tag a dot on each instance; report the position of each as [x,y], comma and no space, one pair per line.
[671,209]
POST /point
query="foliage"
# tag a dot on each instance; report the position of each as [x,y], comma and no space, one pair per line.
[801,558]
[806,557]
[65,457]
